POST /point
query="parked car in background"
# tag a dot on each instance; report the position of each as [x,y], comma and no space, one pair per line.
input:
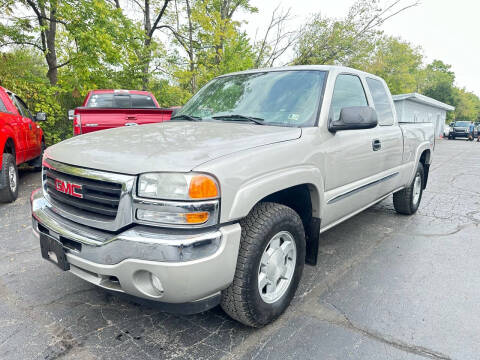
[226,202]
[21,140]
[459,129]
[105,109]
[446,131]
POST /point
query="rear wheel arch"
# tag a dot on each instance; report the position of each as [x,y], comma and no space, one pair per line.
[425,156]
[425,160]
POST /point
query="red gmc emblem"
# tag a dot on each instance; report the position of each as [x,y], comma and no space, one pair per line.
[68,188]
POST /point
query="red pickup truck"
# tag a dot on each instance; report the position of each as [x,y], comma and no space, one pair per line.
[105,109]
[21,140]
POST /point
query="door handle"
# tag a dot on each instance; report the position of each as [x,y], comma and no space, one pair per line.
[376,145]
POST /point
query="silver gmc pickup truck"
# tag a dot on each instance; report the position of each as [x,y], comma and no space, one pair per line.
[225,203]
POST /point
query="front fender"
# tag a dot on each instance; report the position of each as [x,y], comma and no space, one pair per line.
[257,188]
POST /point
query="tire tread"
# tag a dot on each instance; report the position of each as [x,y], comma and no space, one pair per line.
[235,299]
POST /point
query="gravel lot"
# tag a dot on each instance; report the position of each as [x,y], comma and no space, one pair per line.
[386,287]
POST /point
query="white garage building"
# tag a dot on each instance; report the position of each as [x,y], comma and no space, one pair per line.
[420,108]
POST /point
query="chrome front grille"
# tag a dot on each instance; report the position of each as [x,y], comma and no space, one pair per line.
[100,199]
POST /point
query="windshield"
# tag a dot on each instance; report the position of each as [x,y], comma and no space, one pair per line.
[121,101]
[462,124]
[287,98]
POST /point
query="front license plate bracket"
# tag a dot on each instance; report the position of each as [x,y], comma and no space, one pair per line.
[53,251]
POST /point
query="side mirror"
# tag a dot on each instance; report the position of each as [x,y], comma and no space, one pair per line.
[452,124]
[41,116]
[355,117]
[70,114]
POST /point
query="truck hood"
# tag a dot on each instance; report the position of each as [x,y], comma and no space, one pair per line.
[169,146]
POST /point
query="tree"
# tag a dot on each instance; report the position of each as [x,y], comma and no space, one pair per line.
[347,41]
[398,63]
[42,35]
[226,9]
[467,105]
[209,42]
[276,40]
[58,30]
[153,13]
[438,82]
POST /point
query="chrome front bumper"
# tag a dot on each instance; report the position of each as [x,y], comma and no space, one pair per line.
[191,265]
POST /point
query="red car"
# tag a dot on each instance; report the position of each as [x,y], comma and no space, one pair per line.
[105,109]
[21,140]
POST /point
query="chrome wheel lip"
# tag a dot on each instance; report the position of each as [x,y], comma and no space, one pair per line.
[417,189]
[12,176]
[277,267]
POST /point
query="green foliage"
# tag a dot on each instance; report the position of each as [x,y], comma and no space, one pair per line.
[467,105]
[347,41]
[398,63]
[217,47]
[98,45]
[24,74]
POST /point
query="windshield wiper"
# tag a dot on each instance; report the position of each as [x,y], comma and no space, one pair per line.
[186,117]
[238,117]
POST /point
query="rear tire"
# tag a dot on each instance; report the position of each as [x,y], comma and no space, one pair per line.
[406,201]
[9,176]
[269,265]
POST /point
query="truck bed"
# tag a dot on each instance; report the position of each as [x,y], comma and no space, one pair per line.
[413,135]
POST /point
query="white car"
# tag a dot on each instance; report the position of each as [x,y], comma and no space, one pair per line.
[446,131]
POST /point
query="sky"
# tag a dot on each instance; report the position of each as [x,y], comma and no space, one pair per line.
[446,30]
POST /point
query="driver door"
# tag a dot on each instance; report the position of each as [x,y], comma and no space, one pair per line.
[352,161]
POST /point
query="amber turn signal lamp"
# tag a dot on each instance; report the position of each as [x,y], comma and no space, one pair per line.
[196,218]
[202,187]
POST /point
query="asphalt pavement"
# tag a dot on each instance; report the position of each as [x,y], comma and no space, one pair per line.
[386,287]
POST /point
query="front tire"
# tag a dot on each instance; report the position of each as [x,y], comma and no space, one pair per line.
[269,265]
[406,201]
[9,176]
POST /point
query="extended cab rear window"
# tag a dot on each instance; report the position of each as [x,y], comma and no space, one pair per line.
[121,101]
[381,101]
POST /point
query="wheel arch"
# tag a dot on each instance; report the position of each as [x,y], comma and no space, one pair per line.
[423,155]
[8,147]
[304,200]
[425,160]
[283,185]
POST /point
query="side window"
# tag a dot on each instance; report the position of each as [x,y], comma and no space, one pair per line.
[15,103]
[23,108]
[2,106]
[381,101]
[348,91]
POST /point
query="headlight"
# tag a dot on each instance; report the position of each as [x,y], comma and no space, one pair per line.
[173,186]
[177,200]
